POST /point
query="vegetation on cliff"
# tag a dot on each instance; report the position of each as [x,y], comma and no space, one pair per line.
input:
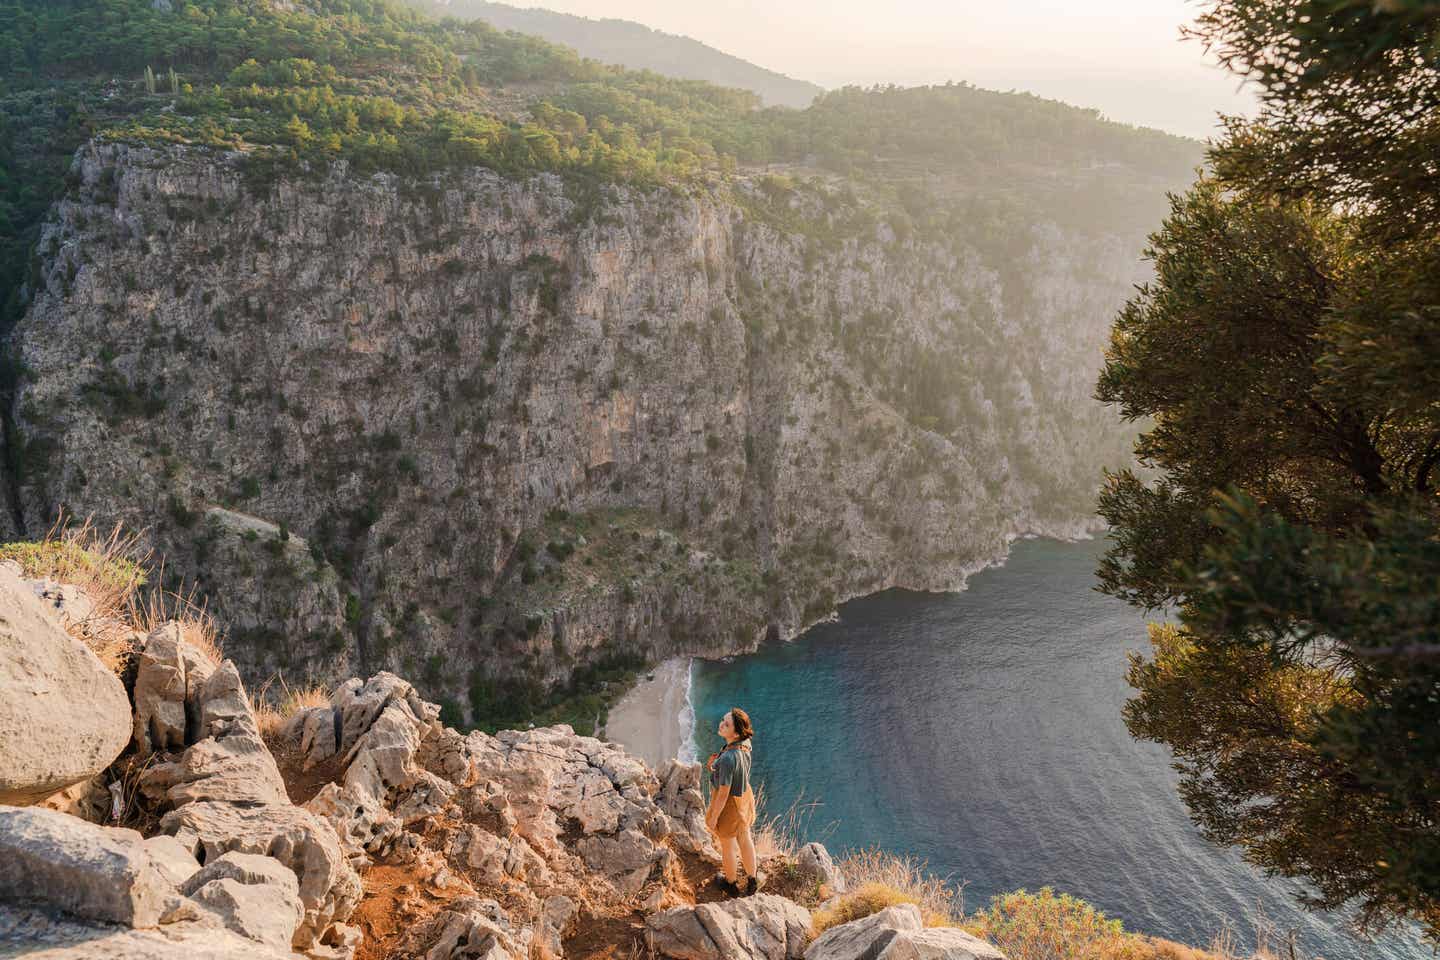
[387,88]
[1287,361]
[309,314]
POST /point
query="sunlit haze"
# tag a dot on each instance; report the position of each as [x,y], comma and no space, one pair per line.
[1124,57]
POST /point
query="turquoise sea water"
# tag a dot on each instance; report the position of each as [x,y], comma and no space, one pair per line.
[981,731]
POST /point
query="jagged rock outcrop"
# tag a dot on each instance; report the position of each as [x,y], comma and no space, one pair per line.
[226,760]
[225,796]
[329,888]
[377,728]
[69,888]
[504,847]
[758,927]
[482,430]
[64,715]
[469,929]
[170,675]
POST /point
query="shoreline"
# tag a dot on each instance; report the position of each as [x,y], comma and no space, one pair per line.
[652,720]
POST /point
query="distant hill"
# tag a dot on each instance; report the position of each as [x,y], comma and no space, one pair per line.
[638,47]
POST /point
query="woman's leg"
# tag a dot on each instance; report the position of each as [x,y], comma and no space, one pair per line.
[747,849]
[727,856]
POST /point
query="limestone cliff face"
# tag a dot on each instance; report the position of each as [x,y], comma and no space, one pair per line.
[471,427]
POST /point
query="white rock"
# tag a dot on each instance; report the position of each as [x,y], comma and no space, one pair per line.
[759,927]
[38,935]
[169,675]
[93,872]
[229,761]
[814,864]
[898,933]
[941,943]
[257,897]
[64,716]
[557,919]
[865,937]
[329,886]
[468,929]
[171,858]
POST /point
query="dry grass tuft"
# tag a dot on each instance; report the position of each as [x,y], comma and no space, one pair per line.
[135,811]
[780,835]
[272,713]
[197,626]
[878,879]
[871,898]
[110,570]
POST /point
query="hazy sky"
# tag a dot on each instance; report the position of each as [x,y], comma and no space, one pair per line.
[1121,56]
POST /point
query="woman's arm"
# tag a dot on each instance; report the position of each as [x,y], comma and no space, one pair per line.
[717,803]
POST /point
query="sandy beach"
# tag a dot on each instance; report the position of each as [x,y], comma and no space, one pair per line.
[647,720]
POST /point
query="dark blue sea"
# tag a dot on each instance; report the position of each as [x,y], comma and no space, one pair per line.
[981,732]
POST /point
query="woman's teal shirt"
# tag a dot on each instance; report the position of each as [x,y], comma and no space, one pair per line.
[732,769]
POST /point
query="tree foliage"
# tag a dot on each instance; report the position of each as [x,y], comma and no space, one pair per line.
[1287,362]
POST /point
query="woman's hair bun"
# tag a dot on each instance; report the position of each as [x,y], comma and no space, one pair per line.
[740,720]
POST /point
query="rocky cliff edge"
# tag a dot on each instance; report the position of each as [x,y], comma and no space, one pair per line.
[150,811]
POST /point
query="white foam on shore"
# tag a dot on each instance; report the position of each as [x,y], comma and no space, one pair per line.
[689,750]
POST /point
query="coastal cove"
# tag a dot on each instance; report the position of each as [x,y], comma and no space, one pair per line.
[980,731]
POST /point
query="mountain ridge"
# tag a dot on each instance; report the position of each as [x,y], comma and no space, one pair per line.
[639,47]
[530,369]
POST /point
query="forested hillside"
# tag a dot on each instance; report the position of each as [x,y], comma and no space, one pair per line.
[387,88]
[638,47]
[414,343]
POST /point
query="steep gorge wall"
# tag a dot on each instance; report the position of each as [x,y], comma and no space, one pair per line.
[478,429]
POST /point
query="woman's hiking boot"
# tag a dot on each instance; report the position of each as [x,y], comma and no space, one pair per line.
[728,887]
[752,884]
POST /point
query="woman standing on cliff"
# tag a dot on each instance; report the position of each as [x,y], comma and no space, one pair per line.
[732,802]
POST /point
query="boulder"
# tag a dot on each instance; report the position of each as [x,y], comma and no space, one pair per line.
[867,937]
[93,872]
[814,865]
[941,943]
[898,933]
[257,897]
[64,716]
[170,673]
[37,934]
[329,888]
[759,927]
